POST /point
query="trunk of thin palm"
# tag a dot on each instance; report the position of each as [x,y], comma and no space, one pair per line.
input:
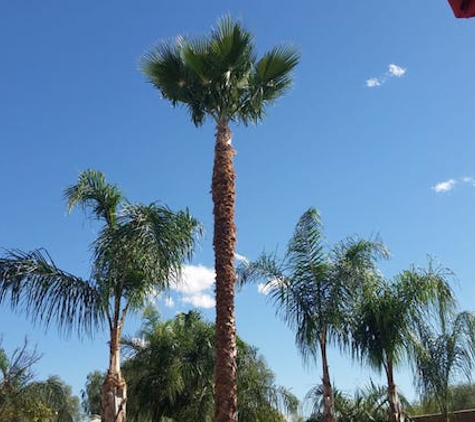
[328,401]
[114,389]
[393,397]
[223,192]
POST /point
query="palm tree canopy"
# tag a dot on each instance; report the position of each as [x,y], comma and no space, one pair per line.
[312,287]
[386,317]
[138,251]
[443,355]
[220,75]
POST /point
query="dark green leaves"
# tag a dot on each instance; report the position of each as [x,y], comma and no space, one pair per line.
[220,75]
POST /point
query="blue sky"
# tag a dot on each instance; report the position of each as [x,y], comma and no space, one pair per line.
[377,133]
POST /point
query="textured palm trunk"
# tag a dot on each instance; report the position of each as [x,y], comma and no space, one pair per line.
[328,400]
[395,414]
[114,389]
[224,241]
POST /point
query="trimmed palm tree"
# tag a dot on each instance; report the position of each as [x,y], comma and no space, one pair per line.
[220,77]
[138,251]
[314,290]
[386,318]
[443,356]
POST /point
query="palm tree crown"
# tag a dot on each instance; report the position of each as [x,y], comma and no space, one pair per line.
[220,76]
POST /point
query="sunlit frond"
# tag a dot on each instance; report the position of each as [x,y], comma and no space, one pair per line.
[93,192]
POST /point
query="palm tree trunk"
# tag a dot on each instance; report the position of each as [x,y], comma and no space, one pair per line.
[114,389]
[224,240]
[393,397]
[328,400]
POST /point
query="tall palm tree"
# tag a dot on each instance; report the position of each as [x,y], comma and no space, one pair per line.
[220,77]
[314,289]
[386,317]
[441,357]
[138,250]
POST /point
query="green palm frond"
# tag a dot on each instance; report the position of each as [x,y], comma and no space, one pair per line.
[145,251]
[92,191]
[48,293]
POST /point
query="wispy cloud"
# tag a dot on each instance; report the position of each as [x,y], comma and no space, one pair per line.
[394,71]
[444,186]
[449,184]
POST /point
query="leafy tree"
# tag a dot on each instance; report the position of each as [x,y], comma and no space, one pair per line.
[220,77]
[170,375]
[442,356]
[386,318]
[91,395]
[314,289]
[24,399]
[139,249]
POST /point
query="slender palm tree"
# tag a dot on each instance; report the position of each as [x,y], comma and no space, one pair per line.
[385,320]
[314,289]
[443,356]
[138,251]
[220,77]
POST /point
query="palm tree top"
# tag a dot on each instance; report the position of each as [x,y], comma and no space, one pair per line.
[220,75]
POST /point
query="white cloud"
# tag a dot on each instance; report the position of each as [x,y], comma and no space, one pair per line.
[373,82]
[396,71]
[195,286]
[194,279]
[469,180]
[200,300]
[444,186]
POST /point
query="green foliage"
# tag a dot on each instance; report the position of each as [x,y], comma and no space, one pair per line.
[441,356]
[91,395]
[170,374]
[366,404]
[24,399]
[220,76]
[314,289]
[140,248]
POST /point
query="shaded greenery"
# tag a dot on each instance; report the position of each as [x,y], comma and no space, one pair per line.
[170,375]
[25,399]
[442,355]
[366,404]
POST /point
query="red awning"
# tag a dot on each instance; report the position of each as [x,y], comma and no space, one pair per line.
[463,8]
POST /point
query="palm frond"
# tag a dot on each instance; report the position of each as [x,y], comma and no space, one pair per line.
[35,284]
[145,251]
[92,191]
